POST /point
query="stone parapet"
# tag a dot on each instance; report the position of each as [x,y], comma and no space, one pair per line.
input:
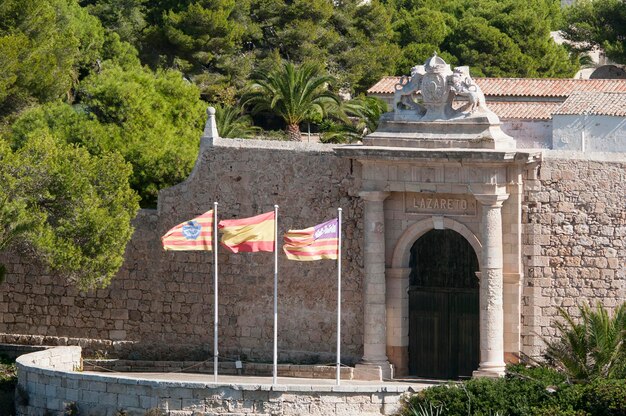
[48,384]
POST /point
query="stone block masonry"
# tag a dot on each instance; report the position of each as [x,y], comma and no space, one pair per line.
[160,304]
[574,242]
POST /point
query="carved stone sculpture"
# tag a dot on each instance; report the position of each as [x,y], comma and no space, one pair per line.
[406,94]
[439,108]
[463,85]
[429,93]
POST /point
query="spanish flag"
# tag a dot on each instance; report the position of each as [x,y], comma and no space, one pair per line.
[195,234]
[249,234]
[314,243]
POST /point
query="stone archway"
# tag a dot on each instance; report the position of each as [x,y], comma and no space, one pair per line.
[443,307]
[397,284]
[402,249]
[464,167]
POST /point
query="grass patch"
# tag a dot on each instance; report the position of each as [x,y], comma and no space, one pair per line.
[8,373]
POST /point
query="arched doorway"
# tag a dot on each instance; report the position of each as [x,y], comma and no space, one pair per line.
[443,307]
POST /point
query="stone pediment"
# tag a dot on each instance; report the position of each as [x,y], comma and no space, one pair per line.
[437,107]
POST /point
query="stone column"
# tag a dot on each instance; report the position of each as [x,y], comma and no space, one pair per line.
[374,301]
[491,277]
[398,319]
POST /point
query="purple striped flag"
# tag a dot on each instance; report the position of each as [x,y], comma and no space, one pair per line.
[314,243]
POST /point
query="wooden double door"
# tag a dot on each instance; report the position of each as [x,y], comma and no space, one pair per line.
[444,336]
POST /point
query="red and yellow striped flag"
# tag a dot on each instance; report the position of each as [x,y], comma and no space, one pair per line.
[249,234]
[314,243]
[196,234]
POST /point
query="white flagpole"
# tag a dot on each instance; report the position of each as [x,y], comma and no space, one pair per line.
[275,369]
[339,297]
[215,319]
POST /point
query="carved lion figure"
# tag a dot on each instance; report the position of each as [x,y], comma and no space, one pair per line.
[464,86]
[408,89]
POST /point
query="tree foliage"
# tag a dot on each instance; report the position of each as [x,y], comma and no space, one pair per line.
[70,208]
[127,18]
[153,120]
[218,44]
[597,24]
[231,122]
[349,121]
[495,38]
[46,47]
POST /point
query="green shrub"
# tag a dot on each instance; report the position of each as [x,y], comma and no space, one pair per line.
[604,398]
[8,373]
[543,374]
[523,392]
[555,411]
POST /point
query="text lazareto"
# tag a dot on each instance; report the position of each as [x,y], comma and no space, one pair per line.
[440,203]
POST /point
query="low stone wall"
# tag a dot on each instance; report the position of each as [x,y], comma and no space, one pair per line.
[13,351]
[39,386]
[48,384]
[227,368]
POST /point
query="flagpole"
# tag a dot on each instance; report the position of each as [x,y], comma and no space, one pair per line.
[215,318]
[339,297]
[275,369]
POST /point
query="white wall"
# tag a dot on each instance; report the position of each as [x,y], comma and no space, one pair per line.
[589,133]
[529,134]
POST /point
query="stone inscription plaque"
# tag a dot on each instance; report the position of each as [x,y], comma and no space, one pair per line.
[446,204]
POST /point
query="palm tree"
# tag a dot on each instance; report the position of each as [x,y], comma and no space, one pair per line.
[367,111]
[294,93]
[354,119]
[594,347]
[232,123]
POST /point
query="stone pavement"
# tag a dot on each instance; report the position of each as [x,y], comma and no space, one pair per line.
[406,384]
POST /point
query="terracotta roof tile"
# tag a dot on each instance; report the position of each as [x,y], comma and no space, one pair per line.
[523,109]
[594,103]
[384,86]
[524,87]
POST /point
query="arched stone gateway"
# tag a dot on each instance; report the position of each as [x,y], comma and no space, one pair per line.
[440,162]
[443,306]
[402,281]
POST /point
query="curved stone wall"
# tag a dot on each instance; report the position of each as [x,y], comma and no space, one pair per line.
[49,384]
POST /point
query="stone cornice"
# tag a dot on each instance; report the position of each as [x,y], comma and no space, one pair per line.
[491,200]
[361,152]
[375,196]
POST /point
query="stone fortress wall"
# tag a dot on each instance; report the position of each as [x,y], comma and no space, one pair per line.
[574,240]
[160,305]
